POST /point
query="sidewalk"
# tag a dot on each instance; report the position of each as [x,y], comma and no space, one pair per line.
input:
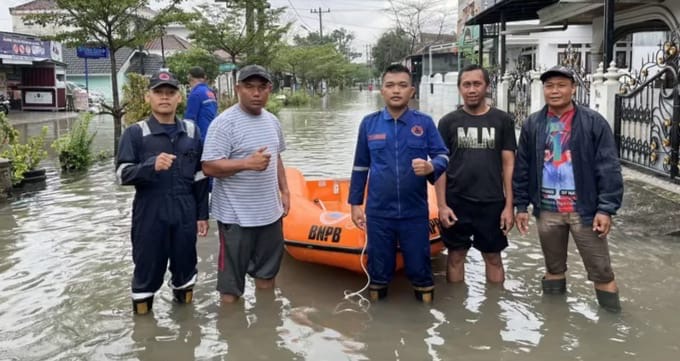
[29,117]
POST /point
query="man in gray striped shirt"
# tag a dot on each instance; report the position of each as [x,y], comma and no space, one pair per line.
[250,194]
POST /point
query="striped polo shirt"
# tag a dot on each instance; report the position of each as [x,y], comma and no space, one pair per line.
[247,198]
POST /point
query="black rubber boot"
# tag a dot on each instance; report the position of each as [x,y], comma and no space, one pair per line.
[143,306]
[376,293]
[554,287]
[608,300]
[184,296]
[424,295]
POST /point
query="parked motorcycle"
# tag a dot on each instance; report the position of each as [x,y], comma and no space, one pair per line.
[4,104]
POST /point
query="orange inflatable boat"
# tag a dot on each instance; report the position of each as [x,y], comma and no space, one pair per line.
[319,228]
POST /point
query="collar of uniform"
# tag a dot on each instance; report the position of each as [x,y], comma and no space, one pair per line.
[156,128]
[404,118]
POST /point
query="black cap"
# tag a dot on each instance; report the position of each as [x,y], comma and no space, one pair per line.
[163,78]
[253,70]
[558,70]
[197,72]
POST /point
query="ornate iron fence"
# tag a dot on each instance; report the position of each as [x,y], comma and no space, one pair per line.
[519,93]
[572,59]
[648,113]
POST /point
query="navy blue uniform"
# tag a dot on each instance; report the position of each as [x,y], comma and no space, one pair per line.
[201,107]
[167,204]
[396,206]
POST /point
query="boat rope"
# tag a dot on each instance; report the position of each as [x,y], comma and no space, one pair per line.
[363,301]
[320,203]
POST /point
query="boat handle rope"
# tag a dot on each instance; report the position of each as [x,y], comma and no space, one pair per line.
[363,301]
[320,203]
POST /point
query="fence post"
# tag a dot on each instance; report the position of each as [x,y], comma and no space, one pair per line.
[502,92]
[537,98]
[596,87]
[609,90]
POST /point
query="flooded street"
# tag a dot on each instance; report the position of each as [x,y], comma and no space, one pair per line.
[65,270]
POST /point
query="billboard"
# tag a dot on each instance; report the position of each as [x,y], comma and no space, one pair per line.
[18,47]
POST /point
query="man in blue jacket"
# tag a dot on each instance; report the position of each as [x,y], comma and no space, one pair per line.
[568,168]
[202,103]
[161,158]
[391,154]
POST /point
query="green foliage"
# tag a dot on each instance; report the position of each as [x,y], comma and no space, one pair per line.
[241,31]
[273,105]
[136,108]
[340,38]
[391,47]
[311,64]
[24,157]
[113,24]
[180,63]
[8,134]
[75,148]
[298,99]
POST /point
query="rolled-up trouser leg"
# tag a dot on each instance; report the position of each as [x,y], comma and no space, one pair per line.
[382,250]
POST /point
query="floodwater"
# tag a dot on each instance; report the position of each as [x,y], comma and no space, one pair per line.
[65,268]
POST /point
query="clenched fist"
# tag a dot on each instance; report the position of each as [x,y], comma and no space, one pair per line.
[258,160]
[164,161]
[421,167]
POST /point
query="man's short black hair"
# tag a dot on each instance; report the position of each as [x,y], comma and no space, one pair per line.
[396,68]
[197,72]
[473,67]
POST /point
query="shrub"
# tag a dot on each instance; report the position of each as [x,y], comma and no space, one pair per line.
[299,98]
[24,157]
[273,106]
[74,149]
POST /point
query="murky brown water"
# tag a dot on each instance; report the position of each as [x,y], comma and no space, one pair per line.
[65,269]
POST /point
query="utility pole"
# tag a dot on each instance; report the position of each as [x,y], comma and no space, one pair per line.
[320,12]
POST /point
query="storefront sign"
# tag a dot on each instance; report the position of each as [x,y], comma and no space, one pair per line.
[38,97]
[23,48]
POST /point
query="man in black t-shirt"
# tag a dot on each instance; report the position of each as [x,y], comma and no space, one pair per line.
[475,197]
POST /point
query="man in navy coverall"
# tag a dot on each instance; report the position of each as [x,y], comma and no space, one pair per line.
[161,157]
[391,155]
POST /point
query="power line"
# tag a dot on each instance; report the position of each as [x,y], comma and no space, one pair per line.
[297,13]
[320,12]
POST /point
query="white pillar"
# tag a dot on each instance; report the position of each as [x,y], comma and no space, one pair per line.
[596,87]
[502,92]
[610,89]
[537,97]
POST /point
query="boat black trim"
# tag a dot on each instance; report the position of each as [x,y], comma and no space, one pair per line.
[336,249]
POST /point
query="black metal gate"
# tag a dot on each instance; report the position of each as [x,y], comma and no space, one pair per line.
[648,113]
[519,92]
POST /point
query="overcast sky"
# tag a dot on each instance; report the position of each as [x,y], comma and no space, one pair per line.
[367,19]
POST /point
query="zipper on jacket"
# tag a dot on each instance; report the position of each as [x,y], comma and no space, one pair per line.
[396,161]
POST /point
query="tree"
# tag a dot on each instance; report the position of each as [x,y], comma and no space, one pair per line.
[391,47]
[313,63]
[113,24]
[341,38]
[414,17]
[180,63]
[216,28]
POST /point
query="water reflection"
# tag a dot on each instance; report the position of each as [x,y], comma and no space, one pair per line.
[65,269]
